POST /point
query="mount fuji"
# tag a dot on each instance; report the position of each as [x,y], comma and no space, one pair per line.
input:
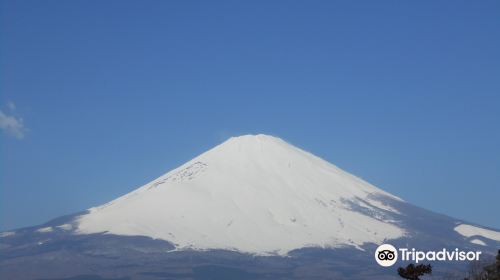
[253,207]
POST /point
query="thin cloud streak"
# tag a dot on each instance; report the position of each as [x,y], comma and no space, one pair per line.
[12,125]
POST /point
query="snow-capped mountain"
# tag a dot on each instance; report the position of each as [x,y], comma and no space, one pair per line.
[285,197]
[235,212]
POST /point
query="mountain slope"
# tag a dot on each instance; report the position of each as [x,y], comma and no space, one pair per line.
[255,194]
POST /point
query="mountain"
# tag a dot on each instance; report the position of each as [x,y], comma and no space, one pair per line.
[287,199]
[253,207]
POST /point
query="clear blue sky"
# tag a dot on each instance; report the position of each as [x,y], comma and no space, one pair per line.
[99,97]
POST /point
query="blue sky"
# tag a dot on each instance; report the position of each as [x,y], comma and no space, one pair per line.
[99,97]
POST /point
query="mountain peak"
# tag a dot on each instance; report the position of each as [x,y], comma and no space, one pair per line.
[252,139]
[256,137]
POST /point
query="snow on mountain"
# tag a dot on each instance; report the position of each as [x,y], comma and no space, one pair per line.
[255,194]
[470,230]
[45,229]
[478,242]
[7,233]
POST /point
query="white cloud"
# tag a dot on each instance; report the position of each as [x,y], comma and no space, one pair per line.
[11,105]
[12,125]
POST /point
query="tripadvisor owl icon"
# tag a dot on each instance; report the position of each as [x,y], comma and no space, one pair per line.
[386,255]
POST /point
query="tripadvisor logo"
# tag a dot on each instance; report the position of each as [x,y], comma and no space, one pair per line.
[387,255]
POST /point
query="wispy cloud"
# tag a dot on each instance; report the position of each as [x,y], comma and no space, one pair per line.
[11,105]
[12,125]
